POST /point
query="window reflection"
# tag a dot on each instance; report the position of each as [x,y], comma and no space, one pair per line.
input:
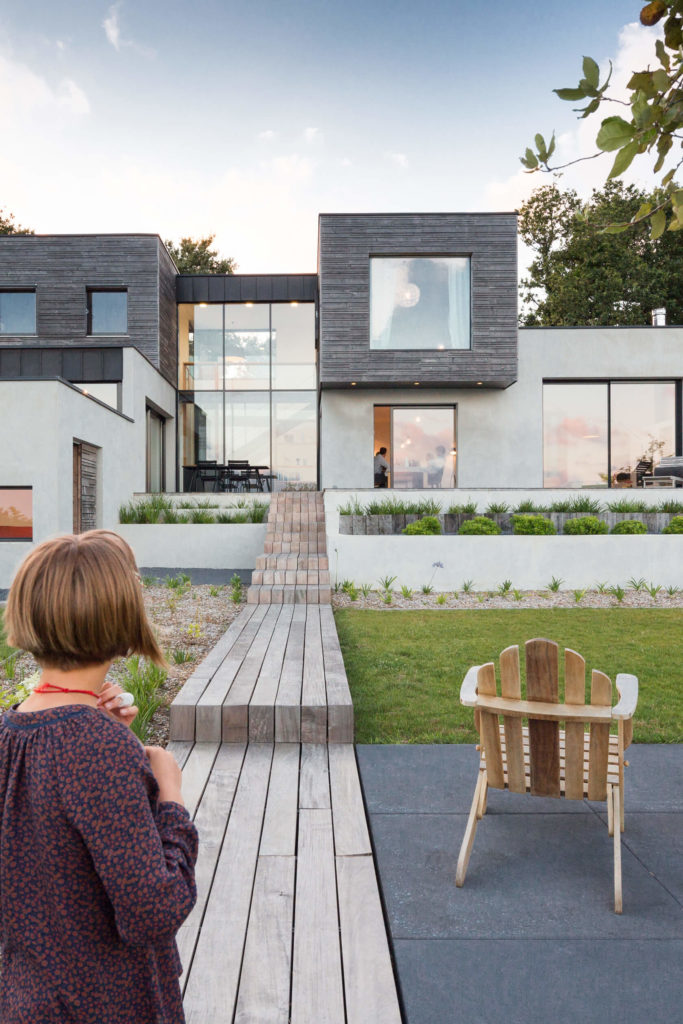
[247,427]
[420,302]
[247,347]
[294,437]
[17,312]
[201,429]
[643,429]
[422,451]
[575,435]
[293,341]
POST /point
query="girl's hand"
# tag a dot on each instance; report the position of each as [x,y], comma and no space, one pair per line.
[167,773]
[108,702]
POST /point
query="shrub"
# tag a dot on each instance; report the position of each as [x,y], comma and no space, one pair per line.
[585,525]
[428,525]
[480,526]
[143,679]
[628,506]
[497,508]
[522,524]
[629,526]
[675,525]
[469,508]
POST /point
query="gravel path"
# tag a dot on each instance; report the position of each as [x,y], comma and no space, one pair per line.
[492,599]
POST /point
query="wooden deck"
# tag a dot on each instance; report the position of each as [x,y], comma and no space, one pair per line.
[288,925]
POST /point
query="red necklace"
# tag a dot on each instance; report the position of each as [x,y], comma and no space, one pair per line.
[53,688]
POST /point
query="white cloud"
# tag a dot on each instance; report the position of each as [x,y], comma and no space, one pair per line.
[25,95]
[312,135]
[400,159]
[112,30]
[267,136]
[346,162]
[635,48]
[60,44]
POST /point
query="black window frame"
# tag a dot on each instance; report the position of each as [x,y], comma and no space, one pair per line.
[102,289]
[22,334]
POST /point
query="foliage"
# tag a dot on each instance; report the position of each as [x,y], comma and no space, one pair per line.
[406,592]
[585,275]
[143,679]
[479,526]
[427,588]
[581,504]
[467,586]
[629,526]
[675,525]
[505,587]
[670,506]
[9,226]
[536,524]
[236,589]
[391,507]
[441,599]
[497,508]
[579,595]
[655,116]
[159,509]
[653,590]
[628,506]
[531,507]
[555,584]
[468,509]
[618,592]
[428,525]
[195,256]
[585,525]
[180,655]
[405,670]
[386,582]
[180,583]
[637,584]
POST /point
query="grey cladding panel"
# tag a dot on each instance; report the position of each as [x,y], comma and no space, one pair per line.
[246,288]
[62,267]
[346,243]
[74,364]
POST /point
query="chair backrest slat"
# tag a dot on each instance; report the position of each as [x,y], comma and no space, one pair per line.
[489,731]
[601,693]
[511,686]
[574,693]
[542,683]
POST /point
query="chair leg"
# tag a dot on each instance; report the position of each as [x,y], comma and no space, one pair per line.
[610,812]
[618,904]
[468,839]
[481,809]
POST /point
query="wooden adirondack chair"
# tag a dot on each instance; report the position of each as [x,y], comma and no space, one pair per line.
[541,758]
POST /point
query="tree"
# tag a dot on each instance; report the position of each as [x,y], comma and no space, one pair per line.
[655,126]
[9,226]
[583,275]
[195,256]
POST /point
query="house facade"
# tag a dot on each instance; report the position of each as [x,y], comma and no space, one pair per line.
[118,375]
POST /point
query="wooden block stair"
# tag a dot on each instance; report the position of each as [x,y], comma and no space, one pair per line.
[294,568]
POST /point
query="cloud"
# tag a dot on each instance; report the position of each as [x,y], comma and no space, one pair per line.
[346,162]
[400,159]
[267,136]
[312,135]
[25,96]
[112,30]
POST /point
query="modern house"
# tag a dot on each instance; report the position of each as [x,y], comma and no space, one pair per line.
[118,375]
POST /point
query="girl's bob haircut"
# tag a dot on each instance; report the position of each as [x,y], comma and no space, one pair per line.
[77,600]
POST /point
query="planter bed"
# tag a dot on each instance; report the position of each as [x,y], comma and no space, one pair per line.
[392,525]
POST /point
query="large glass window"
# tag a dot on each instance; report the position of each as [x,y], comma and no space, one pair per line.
[247,427]
[247,347]
[606,434]
[293,340]
[107,311]
[419,302]
[201,429]
[420,445]
[18,312]
[294,436]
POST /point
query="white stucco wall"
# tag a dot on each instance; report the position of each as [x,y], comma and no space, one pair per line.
[196,545]
[38,424]
[500,433]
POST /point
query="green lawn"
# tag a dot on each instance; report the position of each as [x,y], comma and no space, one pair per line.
[405,668]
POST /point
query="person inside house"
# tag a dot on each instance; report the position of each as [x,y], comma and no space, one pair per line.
[97,851]
[381,468]
[435,467]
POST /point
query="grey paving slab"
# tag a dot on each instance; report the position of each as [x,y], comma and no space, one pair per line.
[657,841]
[540,875]
[534,982]
[654,777]
[438,779]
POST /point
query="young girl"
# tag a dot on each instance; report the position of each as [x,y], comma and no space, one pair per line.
[97,851]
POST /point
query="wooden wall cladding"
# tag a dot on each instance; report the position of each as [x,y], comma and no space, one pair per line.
[346,243]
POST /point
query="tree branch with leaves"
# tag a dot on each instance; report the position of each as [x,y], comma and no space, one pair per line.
[655,127]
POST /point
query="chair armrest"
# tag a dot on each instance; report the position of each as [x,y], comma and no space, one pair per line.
[627,688]
[468,690]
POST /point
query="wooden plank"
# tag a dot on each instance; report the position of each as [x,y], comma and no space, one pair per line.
[211,820]
[543,710]
[317,992]
[235,714]
[351,836]
[180,750]
[266,970]
[511,688]
[313,693]
[196,774]
[601,693]
[490,734]
[574,693]
[212,983]
[209,705]
[279,825]
[288,700]
[369,984]
[542,684]
[314,783]
[262,704]
[340,721]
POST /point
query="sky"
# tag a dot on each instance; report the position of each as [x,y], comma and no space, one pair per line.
[248,119]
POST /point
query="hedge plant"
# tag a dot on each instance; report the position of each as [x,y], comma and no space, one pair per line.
[532,524]
[629,526]
[423,527]
[585,525]
[675,525]
[480,525]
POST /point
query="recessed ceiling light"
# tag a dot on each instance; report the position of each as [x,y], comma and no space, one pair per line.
[294,303]
[249,304]
[479,383]
[417,383]
[203,305]
[353,383]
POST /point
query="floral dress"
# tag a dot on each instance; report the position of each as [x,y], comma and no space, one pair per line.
[96,876]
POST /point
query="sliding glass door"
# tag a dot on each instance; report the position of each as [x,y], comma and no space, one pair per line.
[420,443]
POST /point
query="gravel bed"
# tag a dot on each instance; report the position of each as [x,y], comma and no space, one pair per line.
[190,622]
[491,599]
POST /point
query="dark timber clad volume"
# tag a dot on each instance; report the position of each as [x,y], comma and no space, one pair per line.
[346,243]
[75,364]
[247,288]
[62,267]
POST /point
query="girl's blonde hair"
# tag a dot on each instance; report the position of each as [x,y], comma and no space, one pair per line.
[77,600]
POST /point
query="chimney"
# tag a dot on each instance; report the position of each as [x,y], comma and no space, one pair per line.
[659,317]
